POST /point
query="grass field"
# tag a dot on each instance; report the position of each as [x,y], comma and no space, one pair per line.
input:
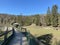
[38,31]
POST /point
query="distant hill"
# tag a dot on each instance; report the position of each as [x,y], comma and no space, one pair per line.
[6,19]
[38,19]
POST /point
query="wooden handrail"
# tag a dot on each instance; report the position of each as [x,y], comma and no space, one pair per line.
[5,33]
[29,35]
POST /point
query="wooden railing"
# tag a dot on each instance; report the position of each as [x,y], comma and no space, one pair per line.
[6,38]
[30,38]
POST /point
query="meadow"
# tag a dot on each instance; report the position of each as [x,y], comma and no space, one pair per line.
[40,30]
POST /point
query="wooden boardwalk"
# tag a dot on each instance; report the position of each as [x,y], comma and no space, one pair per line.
[19,39]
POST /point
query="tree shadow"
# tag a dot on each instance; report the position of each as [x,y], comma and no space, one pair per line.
[45,39]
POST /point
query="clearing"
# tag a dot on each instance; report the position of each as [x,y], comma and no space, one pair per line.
[40,30]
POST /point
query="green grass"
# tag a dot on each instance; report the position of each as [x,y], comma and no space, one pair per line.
[9,34]
[38,31]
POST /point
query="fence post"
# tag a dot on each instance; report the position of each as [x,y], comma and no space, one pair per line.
[5,36]
[13,30]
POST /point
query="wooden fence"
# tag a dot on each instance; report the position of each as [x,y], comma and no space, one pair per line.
[30,38]
[6,38]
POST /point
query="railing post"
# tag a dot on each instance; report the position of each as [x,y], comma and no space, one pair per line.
[25,31]
[13,30]
[5,36]
[28,37]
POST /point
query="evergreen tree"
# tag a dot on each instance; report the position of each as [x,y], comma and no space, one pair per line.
[47,19]
[54,16]
[28,21]
[38,20]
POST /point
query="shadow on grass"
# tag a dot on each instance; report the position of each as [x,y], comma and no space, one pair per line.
[45,39]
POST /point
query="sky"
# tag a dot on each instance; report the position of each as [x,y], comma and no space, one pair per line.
[27,7]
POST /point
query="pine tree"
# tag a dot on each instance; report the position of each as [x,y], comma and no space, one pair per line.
[38,20]
[54,16]
[47,19]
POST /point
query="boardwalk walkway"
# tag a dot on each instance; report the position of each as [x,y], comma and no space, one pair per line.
[19,39]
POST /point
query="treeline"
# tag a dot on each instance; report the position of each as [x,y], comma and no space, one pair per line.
[51,18]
